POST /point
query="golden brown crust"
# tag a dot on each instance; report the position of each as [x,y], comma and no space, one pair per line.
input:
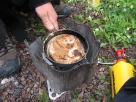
[65,49]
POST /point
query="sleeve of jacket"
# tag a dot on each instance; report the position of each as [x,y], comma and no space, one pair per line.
[34,3]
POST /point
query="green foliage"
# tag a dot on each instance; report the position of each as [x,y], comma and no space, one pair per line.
[44,97]
[113,22]
[92,99]
[79,18]
[99,94]
[100,90]
[75,95]
[102,78]
[40,31]
[119,29]
[72,1]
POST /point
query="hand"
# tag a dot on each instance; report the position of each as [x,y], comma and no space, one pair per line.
[48,16]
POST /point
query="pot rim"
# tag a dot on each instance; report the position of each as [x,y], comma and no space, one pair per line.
[53,34]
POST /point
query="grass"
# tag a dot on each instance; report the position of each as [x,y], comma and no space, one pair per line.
[119,29]
[75,94]
[43,97]
[114,22]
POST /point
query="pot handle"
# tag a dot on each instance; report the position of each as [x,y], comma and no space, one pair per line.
[46,60]
[52,33]
[85,61]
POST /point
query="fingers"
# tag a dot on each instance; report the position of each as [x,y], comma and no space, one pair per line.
[47,23]
[53,20]
[48,16]
[50,22]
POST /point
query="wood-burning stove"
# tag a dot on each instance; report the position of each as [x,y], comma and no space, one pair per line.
[65,77]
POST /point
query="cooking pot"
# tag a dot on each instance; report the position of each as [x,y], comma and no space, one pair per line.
[60,66]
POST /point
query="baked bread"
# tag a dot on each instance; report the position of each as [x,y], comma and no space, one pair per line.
[65,49]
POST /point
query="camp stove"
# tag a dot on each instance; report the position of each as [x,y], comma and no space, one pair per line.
[64,77]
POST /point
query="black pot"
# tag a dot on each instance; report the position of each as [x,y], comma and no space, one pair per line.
[64,67]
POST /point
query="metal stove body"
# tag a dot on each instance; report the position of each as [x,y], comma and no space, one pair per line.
[60,81]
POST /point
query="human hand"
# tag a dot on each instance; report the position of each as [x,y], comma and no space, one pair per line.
[48,16]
